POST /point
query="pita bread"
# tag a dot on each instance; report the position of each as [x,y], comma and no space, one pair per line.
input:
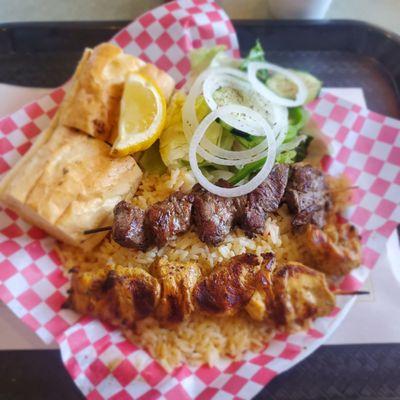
[92,104]
[73,185]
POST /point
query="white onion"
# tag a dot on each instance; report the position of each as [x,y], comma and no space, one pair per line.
[237,79]
[190,121]
[281,120]
[257,179]
[216,81]
[261,88]
[213,153]
[230,154]
[230,71]
[210,157]
[278,114]
[189,116]
[222,174]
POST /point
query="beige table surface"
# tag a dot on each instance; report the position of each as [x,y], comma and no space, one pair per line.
[385,13]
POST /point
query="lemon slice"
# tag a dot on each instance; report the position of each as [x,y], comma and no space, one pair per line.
[142,115]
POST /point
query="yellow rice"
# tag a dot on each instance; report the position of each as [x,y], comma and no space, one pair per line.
[201,339]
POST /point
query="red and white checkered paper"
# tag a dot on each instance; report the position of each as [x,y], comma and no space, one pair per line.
[104,365]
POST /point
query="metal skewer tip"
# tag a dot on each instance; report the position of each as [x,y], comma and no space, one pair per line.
[343,189]
[350,292]
[97,230]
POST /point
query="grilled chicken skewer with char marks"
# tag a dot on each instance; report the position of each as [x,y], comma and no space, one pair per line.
[285,297]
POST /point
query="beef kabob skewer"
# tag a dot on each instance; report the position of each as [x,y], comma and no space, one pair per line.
[212,216]
[302,187]
[110,227]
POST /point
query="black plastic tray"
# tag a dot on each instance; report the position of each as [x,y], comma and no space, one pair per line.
[341,53]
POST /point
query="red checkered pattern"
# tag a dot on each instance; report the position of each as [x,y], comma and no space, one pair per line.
[165,35]
[364,145]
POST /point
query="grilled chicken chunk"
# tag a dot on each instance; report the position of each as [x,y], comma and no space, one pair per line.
[177,282]
[301,294]
[335,250]
[261,305]
[119,295]
[213,215]
[169,218]
[231,284]
[87,294]
[264,199]
[128,228]
[307,195]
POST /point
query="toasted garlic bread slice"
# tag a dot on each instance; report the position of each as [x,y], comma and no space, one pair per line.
[68,183]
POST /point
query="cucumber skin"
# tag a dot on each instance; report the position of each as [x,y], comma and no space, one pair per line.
[283,87]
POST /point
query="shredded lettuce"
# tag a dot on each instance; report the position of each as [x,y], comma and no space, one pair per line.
[214,131]
[150,160]
[173,144]
[256,53]
[298,117]
[226,140]
[246,171]
[201,107]
[286,157]
[302,148]
[201,58]
[222,59]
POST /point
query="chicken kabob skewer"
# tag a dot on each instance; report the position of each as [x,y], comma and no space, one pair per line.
[285,297]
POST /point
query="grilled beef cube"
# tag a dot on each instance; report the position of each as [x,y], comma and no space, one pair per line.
[128,227]
[264,199]
[307,196]
[213,215]
[169,218]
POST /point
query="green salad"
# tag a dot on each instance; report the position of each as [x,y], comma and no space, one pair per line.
[234,120]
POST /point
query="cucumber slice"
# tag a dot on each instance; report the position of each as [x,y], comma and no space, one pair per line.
[285,88]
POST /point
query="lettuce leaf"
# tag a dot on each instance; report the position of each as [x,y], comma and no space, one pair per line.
[256,53]
[201,58]
[298,117]
[286,157]
[150,161]
[173,144]
[302,149]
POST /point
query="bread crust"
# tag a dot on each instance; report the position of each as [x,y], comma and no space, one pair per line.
[72,185]
[92,103]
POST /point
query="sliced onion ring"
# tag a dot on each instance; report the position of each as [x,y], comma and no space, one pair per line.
[261,88]
[216,81]
[279,114]
[189,116]
[210,157]
[220,156]
[257,179]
